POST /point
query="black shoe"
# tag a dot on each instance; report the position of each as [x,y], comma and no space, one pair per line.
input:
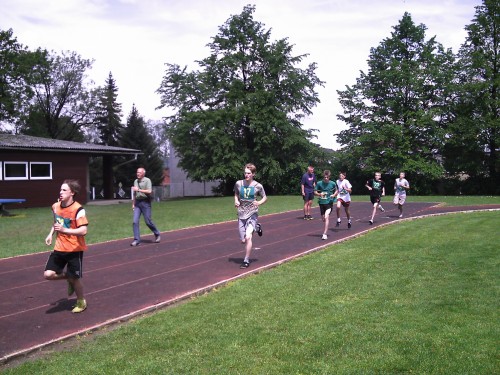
[245,265]
[349,224]
[259,230]
[371,222]
[310,217]
[338,224]
[305,217]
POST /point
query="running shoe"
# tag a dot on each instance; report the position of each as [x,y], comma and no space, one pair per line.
[80,306]
[371,222]
[245,265]
[135,243]
[349,224]
[157,238]
[338,223]
[324,237]
[259,230]
[381,208]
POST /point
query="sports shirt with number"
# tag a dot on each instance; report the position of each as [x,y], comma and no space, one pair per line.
[246,195]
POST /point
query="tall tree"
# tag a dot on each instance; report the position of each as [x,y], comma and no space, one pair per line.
[474,138]
[109,114]
[246,104]
[136,136]
[62,102]
[19,70]
[396,112]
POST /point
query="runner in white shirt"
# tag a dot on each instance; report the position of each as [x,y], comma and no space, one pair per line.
[344,198]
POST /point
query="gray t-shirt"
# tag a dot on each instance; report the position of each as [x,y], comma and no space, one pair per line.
[247,194]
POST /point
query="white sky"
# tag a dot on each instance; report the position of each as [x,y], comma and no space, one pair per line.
[133,39]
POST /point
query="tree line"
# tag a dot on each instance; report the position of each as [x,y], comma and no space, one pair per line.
[419,108]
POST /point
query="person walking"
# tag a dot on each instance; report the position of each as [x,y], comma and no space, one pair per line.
[401,185]
[307,184]
[327,191]
[377,190]
[141,205]
[70,225]
[245,200]
[344,198]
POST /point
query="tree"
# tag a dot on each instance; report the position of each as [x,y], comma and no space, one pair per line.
[19,69]
[109,114]
[62,102]
[474,137]
[136,136]
[397,111]
[244,105]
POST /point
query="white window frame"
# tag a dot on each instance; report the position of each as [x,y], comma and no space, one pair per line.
[49,163]
[6,178]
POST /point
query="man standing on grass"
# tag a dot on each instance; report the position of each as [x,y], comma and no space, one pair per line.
[70,225]
[245,200]
[307,184]
[377,190]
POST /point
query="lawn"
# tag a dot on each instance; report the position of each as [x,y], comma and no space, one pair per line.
[415,297]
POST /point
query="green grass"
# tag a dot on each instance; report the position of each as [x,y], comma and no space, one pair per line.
[415,297]
[25,232]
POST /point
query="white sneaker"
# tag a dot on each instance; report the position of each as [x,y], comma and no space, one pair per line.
[381,208]
[324,237]
[400,216]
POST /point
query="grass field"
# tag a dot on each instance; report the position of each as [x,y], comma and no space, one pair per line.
[25,232]
[415,297]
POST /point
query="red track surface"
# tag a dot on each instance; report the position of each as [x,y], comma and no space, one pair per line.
[122,281]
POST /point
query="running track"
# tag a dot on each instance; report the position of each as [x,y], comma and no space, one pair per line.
[122,282]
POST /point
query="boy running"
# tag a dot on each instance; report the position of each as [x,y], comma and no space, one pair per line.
[327,191]
[70,226]
[400,187]
[245,193]
[344,198]
[377,191]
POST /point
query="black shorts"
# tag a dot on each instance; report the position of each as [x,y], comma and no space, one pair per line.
[308,196]
[59,259]
[375,199]
[324,207]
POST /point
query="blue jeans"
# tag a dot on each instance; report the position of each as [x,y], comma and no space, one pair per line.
[143,207]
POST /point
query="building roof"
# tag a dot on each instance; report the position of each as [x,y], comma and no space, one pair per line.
[16,142]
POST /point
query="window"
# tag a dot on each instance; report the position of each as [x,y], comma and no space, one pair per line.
[15,170]
[1,171]
[41,171]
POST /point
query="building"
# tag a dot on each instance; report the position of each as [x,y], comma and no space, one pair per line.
[34,168]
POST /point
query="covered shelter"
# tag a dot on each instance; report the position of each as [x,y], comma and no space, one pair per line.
[33,168]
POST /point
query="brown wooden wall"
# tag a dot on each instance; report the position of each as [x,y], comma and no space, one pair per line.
[40,193]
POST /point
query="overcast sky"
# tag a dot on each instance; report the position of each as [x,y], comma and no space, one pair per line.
[133,39]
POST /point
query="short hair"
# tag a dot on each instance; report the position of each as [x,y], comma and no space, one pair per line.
[326,172]
[74,185]
[251,167]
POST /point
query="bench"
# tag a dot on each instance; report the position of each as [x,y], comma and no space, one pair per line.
[4,212]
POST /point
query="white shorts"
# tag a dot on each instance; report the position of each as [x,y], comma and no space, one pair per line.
[244,224]
[399,199]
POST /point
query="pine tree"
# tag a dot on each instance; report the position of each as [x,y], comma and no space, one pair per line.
[135,136]
[109,114]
